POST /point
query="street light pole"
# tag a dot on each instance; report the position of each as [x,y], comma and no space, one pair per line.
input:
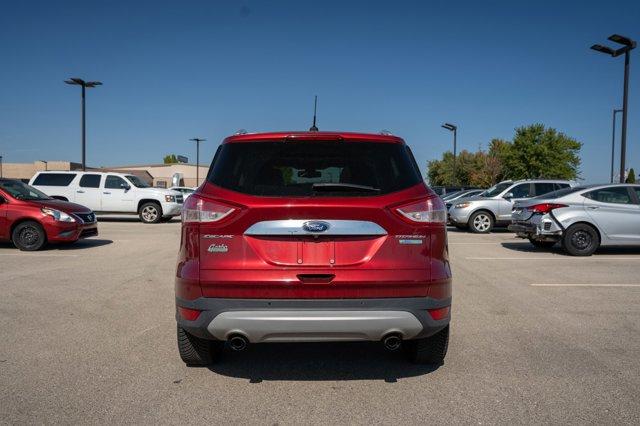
[84,84]
[197,141]
[613,140]
[0,166]
[625,98]
[628,46]
[453,128]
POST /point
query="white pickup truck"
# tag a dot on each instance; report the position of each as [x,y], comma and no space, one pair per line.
[115,193]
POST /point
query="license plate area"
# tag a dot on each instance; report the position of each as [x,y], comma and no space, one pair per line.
[316,252]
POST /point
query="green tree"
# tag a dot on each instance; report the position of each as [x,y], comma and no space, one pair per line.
[539,152]
[170,159]
[631,177]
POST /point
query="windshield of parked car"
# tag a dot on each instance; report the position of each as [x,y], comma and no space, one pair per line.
[317,168]
[496,189]
[452,195]
[22,191]
[137,182]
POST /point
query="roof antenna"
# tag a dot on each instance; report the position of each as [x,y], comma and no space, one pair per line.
[315,107]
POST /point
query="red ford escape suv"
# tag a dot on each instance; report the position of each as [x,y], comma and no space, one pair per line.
[30,218]
[313,236]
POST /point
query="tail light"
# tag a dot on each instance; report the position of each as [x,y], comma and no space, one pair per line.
[544,208]
[198,209]
[188,314]
[431,210]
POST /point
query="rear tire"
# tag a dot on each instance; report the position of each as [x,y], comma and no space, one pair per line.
[430,350]
[481,222]
[195,351]
[542,244]
[29,236]
[150,212]
[580,240]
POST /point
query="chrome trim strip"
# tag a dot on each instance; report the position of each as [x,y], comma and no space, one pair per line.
[313,326]
[294,227]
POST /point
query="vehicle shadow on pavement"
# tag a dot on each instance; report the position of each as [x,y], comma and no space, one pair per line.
[317,362]
[526,247]
[80,244]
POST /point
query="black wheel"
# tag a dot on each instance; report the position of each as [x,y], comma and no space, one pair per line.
[430,350]
[542,244]
[29,236]
[481,222]
[150,212]
[195,351]
[580,240]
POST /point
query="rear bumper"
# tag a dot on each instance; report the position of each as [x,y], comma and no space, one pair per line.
[312,320]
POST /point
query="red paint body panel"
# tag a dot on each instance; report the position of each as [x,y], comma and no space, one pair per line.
[14,211]
[264,267]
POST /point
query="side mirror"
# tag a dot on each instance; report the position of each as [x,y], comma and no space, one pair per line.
[125,186]
[508,196]
[2,200]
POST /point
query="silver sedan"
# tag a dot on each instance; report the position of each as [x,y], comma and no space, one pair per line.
[582,218]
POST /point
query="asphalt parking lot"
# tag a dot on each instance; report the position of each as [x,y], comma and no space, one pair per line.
[88,336]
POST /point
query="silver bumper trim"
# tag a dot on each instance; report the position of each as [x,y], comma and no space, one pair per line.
[332,227]
[313,326]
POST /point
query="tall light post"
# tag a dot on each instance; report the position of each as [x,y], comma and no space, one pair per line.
[84,84]
[453,128]
[197,141]
[46,165]
[613,140]
[0,166]
[629,45]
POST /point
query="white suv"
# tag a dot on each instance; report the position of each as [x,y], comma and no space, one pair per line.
[110,193]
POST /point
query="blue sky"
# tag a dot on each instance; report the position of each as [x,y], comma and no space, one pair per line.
[175,70]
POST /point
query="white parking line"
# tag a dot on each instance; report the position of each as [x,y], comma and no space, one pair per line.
[559,257]
[38,254]
[584,285]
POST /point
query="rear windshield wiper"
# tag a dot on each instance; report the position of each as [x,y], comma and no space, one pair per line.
[342,187]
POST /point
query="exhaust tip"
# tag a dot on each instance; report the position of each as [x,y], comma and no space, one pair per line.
[392,342]
[238,342]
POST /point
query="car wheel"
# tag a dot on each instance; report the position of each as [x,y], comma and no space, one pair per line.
[150,212]
[29,236]
[430,350]
[195,351]
[481,222]
[542,244]
[580,240]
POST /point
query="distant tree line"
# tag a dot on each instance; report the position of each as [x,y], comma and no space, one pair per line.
[170,159]
[534,152]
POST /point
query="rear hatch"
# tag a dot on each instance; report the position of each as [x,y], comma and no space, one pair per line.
[317,219]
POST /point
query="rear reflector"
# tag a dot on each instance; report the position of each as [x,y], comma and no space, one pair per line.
[431,210]
[440,313]
[198,209]
[188,314]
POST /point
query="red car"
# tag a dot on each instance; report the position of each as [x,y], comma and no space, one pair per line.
[30,218]
[313,236]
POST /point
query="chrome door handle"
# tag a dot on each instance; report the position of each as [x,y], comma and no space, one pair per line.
[106,193]
[593,207]
[80,192]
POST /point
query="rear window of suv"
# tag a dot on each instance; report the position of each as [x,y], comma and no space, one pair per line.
[315,168]
[54,179]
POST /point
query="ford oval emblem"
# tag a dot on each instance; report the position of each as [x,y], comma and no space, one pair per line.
[315,226]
